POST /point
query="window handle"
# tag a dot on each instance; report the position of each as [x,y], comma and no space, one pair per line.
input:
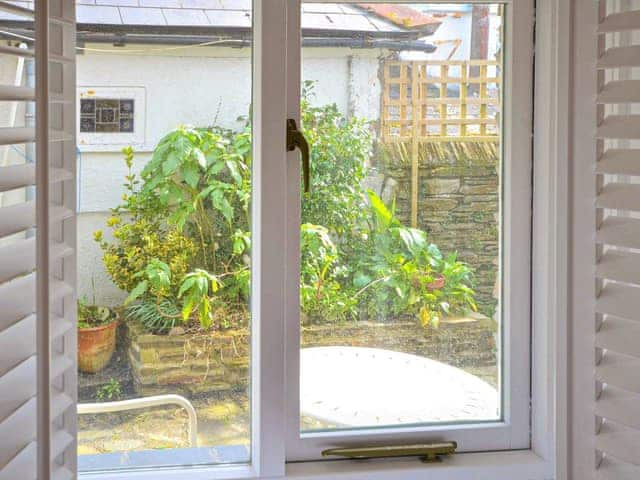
[428,453]
[295,138]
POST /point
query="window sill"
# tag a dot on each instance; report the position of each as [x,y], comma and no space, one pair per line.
[514,465]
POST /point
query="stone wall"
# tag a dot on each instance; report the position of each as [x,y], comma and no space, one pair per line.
[219,361]
[457,203]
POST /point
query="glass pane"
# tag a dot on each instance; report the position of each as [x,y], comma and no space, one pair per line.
[401,233]
[164,154]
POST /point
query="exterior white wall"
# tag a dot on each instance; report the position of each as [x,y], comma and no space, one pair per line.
[203,86]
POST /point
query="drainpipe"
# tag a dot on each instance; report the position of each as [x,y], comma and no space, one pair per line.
[30,122]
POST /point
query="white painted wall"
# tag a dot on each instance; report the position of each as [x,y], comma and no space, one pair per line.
[203,86]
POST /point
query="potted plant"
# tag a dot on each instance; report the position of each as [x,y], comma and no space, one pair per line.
[96,336]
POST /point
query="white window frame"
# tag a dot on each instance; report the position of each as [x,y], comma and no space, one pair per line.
[546,458]
[513,432]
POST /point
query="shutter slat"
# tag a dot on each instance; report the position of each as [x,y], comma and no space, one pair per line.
[15,135]
[620,162]
[620,57]
[619,232]
[619,266]
[619,196]
[60,326]
[61,473]
[622,127]
[620,406]
[612,469]
[60,289]
[60,442]
[620,301]
[18,258]
[24,175]
[17,176]
[622,443]
[17,431]
[621,336]
[60,403]
[17,386]
[17,218]
[620,371]
[17,343]
[16,93]
[22,466]
[16,9]
[60,364]
[619,22]
[18,52]
[17,300]
[620,91]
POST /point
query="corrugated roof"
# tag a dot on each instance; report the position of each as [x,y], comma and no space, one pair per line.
[218,13]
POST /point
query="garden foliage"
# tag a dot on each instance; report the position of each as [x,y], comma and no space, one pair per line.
[181,239]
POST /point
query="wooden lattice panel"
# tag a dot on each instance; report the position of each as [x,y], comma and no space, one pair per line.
[428,101]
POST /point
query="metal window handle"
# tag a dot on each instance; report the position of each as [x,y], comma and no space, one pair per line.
[295,138]
[428,453]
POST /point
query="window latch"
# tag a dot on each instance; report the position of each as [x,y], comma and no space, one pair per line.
[428,453]
[295,138]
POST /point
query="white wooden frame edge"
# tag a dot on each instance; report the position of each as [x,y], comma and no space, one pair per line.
[547,459]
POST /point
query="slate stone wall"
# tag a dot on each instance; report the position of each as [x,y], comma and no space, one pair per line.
[219,361]
[457,204]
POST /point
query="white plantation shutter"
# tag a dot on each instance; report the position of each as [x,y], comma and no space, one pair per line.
[605,423]
[37,272]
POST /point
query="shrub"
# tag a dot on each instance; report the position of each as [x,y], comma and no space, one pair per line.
[181,237]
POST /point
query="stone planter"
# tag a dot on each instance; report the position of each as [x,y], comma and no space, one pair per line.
[219,361]
[188,363]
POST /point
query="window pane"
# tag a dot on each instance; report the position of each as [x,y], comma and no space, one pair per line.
[401,232]
[164,235]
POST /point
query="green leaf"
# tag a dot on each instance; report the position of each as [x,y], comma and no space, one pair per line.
[235,173]
[136,292]
[199,157]
[382,213]
[171,163]
[360,280]
[191,174]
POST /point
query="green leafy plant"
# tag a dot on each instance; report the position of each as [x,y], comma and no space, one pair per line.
[322,291]
[183,220]
[90,315]
[110,391]
[181,242]
[400,273]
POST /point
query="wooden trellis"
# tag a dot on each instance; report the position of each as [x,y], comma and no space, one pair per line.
[439,101]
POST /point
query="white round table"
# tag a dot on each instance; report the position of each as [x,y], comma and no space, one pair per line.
[364,387]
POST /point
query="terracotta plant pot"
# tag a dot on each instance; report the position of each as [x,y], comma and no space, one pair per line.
[96,346]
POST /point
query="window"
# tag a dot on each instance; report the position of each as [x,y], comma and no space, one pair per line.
[343,283]
[442,186]
[108,118]
[106,115]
